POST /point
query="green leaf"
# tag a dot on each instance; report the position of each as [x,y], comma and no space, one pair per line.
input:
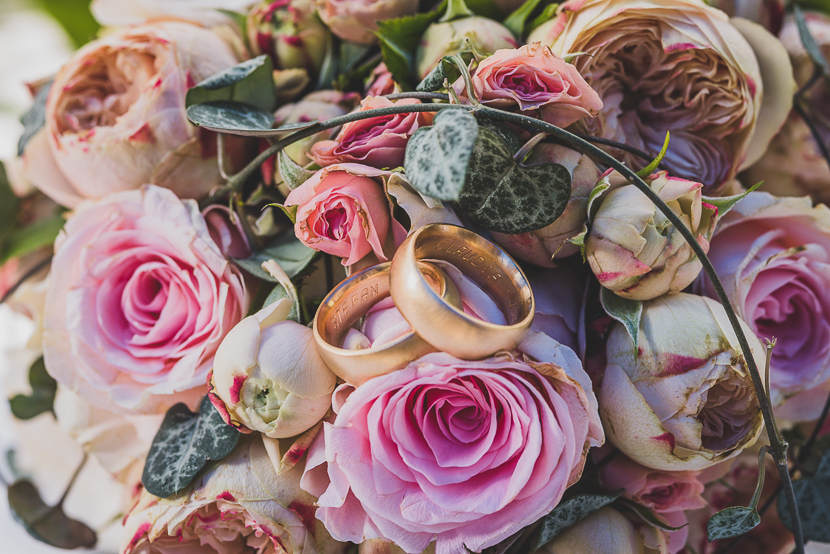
[503,195]
[278,293]
[250,82]
[456,9]
[628,312]
[293,256]
[809,42]
[602,185]
[570,512]
[547,14]
[183,445]
[437,157]
[48,524]
[516,21]
[233,118]
[289,211]
[32,237]
[812,495]
[34,119]
[9,204]
[579,240]
[822,6]
[649,169]
[399,39]
[42,398]
[731,522]
[446,69]
[293,174]
[726,203]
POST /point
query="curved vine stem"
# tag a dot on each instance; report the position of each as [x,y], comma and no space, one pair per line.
[778,446]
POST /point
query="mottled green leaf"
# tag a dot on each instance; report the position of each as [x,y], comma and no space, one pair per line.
[48,524]
[233,118]
[34,119]
[250,82]
[42,398]
[731,522]
[293,256]
[628,312]
[437,157]
[183,445]
[571,511]
[503,195]
[812,496]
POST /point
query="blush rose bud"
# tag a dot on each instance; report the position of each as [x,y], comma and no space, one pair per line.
[684,400]
[635,251]
[268,376]
[450,37]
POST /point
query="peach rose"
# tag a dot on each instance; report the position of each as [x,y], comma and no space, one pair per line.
[343,210]
[115,116]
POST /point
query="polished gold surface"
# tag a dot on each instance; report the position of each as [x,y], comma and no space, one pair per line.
[444,326]
[349,301]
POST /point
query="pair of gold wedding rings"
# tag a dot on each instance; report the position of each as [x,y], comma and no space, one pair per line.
[430,303]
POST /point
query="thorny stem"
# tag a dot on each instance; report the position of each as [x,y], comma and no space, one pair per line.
[778,446]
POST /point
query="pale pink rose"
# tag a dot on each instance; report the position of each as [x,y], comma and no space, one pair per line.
[268,376]
[247,503]
[681,66]
[540,247]
[115,116]
[343,210]
[378,141]
[773,257]
[394,470]
[315,106]
[226,231]
[635,251]
[532,78]
[736,488]
[684,400]
[597,533]
[450,37]
[793,164]
[380,81]
[139,299]
[356,20]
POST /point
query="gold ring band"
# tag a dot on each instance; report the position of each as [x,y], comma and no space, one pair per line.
[446,327]
[348,302]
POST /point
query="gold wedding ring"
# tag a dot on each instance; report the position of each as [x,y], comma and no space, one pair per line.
[349,301]
[445,326]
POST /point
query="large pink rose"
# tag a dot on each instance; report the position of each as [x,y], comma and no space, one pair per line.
[532,78]
[115,116]
[139,299]
[773,256]
[343,210]
[722,88]
[461,452]
[378,142]
[356,20]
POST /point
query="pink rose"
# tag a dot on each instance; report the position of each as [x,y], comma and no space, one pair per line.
[248,503]
[723,88]
[156,294]
[380,81]
[115,116]
[395,468]
[356,20]
[343,210]
[377,142]
[532,78]
[773,256]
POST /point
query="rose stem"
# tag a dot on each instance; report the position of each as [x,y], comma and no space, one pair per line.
[778,447]
[26,276]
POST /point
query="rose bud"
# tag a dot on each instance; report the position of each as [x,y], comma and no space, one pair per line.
[450,37]
[290,33]
[793,164]
[684,399]
[679,66]
[540,247]
[377,142]
[268,376]
[245,503]
[635,251]
[533,79]
[596,533]
[380,81]
[343,210]
[115,116]
[773,257]
[356,20]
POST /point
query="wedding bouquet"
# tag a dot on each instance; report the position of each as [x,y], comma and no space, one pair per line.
[501,276]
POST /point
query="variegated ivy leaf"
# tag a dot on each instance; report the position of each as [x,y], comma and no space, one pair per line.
[48,524]
[233,118]
[183,445]
[812,495]
[731,522]
[571,511]
[250,82]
